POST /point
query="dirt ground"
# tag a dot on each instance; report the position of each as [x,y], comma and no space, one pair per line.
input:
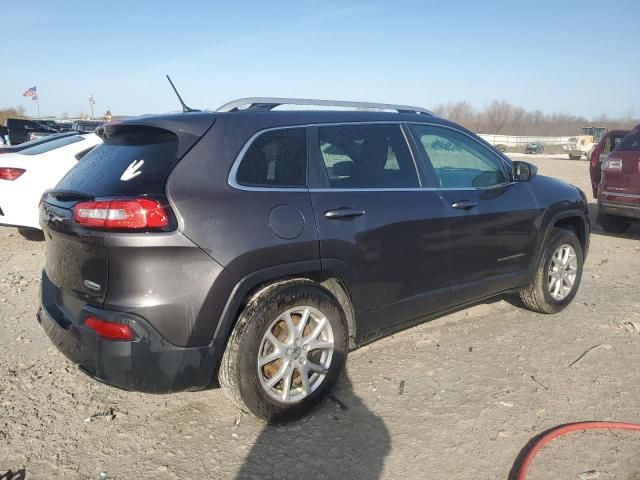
[478,385]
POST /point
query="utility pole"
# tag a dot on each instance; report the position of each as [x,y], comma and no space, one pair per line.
[91,102]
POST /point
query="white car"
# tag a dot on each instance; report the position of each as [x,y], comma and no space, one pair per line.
[25,175]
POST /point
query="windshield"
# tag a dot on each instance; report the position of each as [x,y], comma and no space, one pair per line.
[43,147]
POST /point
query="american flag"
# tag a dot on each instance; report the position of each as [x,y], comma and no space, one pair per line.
[32,92]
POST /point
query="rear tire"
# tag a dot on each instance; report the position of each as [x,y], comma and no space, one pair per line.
[539,295]
[613,223]
[246,383]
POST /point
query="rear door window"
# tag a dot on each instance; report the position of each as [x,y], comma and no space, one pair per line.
[277,158]
[133,161]
[366,156]
[458,160]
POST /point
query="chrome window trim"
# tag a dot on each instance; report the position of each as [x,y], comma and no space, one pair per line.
[232,182]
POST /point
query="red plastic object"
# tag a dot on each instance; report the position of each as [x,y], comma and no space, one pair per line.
[563,430]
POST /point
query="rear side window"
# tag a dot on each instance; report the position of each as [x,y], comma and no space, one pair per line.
[631,142]
[52,145]
[134,161]
[366,156]
[459,161]
[277,158]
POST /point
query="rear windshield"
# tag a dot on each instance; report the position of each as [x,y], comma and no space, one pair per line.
[51,145]
[132,162]
[631,142]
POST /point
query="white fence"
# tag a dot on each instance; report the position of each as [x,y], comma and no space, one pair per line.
[515,141]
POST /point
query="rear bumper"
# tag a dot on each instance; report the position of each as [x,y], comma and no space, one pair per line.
[621,209]
[147,364]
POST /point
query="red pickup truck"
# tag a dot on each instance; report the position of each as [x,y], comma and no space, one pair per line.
[618,188]
[600,152]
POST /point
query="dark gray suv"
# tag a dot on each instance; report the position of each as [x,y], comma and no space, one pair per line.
[257,246]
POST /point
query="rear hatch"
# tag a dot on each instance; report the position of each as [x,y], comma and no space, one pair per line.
[621,171]
[110,190]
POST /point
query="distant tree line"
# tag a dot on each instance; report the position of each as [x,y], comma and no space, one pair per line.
[503,118]
[5,113]
[499,118]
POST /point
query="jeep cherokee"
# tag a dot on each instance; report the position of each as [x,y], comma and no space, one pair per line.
[256,246]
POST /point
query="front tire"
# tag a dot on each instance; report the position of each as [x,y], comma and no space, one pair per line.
[558,274]
[286,352]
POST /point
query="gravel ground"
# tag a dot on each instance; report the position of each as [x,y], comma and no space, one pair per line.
[476,387]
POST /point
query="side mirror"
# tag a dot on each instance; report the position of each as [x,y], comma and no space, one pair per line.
[523,171]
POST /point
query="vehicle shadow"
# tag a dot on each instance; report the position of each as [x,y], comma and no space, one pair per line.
[633,233]
[14,475]
[341,440]
[31,234]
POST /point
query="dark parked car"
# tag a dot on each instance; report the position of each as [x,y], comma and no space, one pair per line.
[534,148]
[258,247]
[501,147]
[4,132]
[22,130]
[86,126]
[619,187]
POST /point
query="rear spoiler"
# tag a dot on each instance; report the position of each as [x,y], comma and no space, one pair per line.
[188,127]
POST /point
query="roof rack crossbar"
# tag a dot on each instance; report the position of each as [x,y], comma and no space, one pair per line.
[269,103]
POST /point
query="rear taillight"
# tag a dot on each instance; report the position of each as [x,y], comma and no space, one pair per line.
[109,330]
[10,173]
[135,214]
[595,156]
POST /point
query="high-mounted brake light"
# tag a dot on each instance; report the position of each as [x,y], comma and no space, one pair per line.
[109,330]
[135,214]
[10,173]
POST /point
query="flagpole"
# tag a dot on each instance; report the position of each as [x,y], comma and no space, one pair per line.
[38,105]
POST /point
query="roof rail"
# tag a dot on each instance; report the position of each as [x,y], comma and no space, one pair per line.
[269,103]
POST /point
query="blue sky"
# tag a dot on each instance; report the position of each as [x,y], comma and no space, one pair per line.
[578,57]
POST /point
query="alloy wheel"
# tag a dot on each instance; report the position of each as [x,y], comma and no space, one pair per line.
[563,269]
[295,354]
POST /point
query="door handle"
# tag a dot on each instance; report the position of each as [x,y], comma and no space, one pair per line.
[464,205]
[343,213]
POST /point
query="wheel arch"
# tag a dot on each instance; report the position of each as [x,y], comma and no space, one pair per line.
[251,285]
[574,220]
[575,223]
